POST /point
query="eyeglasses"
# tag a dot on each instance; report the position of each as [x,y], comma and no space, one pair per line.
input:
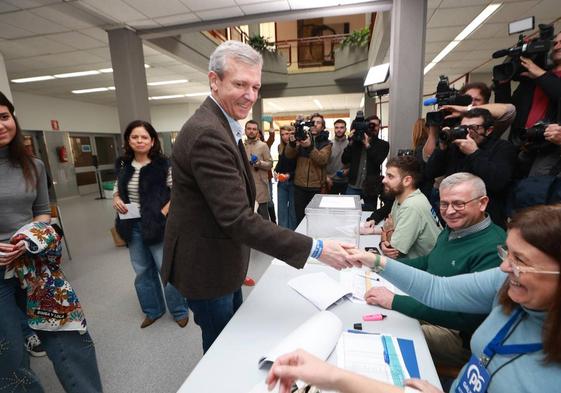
[474,127]
[457,205]
[518,266]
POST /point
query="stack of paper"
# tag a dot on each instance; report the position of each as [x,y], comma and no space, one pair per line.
[376,356]
[357,281]
[320,289]
[318,336]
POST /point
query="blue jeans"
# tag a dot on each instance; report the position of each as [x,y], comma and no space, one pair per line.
[147,262]
[72,354]
[212,315]
[353,191]
[285,201]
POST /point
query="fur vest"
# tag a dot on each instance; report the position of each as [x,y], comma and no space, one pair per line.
[154,194]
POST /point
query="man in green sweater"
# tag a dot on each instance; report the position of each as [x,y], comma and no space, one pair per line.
[468,244]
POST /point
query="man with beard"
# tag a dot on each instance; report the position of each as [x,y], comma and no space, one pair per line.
[336,172]
[412,228]
[261,161]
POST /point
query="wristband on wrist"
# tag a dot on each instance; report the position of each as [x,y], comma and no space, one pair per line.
[318,249]
[377,266]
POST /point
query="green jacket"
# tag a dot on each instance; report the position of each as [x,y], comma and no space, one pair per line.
[473,253]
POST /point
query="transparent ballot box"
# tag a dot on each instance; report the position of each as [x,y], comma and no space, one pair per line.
[335,217]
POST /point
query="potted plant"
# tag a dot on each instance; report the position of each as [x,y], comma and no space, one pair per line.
[261,44]
[357,39]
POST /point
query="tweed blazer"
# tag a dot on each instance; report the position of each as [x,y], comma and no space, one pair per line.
[211,225]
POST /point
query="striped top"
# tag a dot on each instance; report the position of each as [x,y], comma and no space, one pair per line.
[134,196]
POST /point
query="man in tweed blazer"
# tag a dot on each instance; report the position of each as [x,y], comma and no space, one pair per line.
[212,225]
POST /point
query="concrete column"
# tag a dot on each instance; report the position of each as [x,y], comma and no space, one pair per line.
[4,81]
[257,112]
[129,75]
[369,105]
[407,60]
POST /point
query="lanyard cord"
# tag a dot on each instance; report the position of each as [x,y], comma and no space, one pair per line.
[510,360]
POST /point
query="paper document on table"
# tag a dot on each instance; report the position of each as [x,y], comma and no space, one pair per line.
[320,289]
[318,335]
[133,211]
[358,281]
[372,355]
[337,202]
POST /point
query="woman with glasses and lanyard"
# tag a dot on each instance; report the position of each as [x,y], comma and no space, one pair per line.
[518,346]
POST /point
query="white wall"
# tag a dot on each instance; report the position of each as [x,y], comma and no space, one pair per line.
[171,117]
[36,112]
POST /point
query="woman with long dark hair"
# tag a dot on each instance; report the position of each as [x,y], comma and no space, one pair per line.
[144,179]
[24,200]
[516,349]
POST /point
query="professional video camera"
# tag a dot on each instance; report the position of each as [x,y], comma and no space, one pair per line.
[445,95]
[361,127]
[449,135]
[535,49]
[302,129]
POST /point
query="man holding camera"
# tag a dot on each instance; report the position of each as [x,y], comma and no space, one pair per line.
[336,172]
[538,94]
[260,160]
[472,147]
[365,155]
[312,152]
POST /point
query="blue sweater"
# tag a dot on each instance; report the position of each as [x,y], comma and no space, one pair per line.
[477,293]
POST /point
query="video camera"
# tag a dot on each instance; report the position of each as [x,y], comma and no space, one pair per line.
[536,49]
[450,135]
[302,129]
[445,95]
[361,127]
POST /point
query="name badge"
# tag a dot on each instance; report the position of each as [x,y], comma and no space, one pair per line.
[475,379]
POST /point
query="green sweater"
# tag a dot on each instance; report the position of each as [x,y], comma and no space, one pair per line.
[473,253]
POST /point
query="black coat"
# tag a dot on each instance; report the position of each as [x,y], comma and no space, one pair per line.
[375,156]
[154,194]
[494,162]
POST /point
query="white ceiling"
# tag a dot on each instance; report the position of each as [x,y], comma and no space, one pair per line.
[45,37]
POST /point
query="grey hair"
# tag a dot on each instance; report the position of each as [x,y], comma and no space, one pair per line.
[463,177]
[235,50]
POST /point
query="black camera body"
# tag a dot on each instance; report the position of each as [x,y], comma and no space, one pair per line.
[446,95]
[535,135]
[535,49]
[361,127]
[302,129]
[450,135]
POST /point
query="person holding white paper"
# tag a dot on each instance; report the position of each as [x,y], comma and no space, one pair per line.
[144,179]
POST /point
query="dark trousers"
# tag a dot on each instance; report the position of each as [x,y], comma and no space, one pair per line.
[71,353]
[212,315]
[302,196]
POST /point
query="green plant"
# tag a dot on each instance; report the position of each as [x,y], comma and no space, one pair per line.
[261,44]
[357,39]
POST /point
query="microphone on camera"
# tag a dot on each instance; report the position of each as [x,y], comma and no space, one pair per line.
[430,101]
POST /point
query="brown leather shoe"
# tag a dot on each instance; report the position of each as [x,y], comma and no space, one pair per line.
[147,322]
[182,322]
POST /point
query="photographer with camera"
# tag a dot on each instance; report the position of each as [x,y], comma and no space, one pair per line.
[311,148]
[365,155]
[472,147]
[538,94]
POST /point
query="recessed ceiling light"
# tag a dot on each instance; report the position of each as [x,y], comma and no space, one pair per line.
[76,74]
[173,82]
[94,90]
[106,70]
[33,79]
[474,24]
[166,97]
[318,104]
